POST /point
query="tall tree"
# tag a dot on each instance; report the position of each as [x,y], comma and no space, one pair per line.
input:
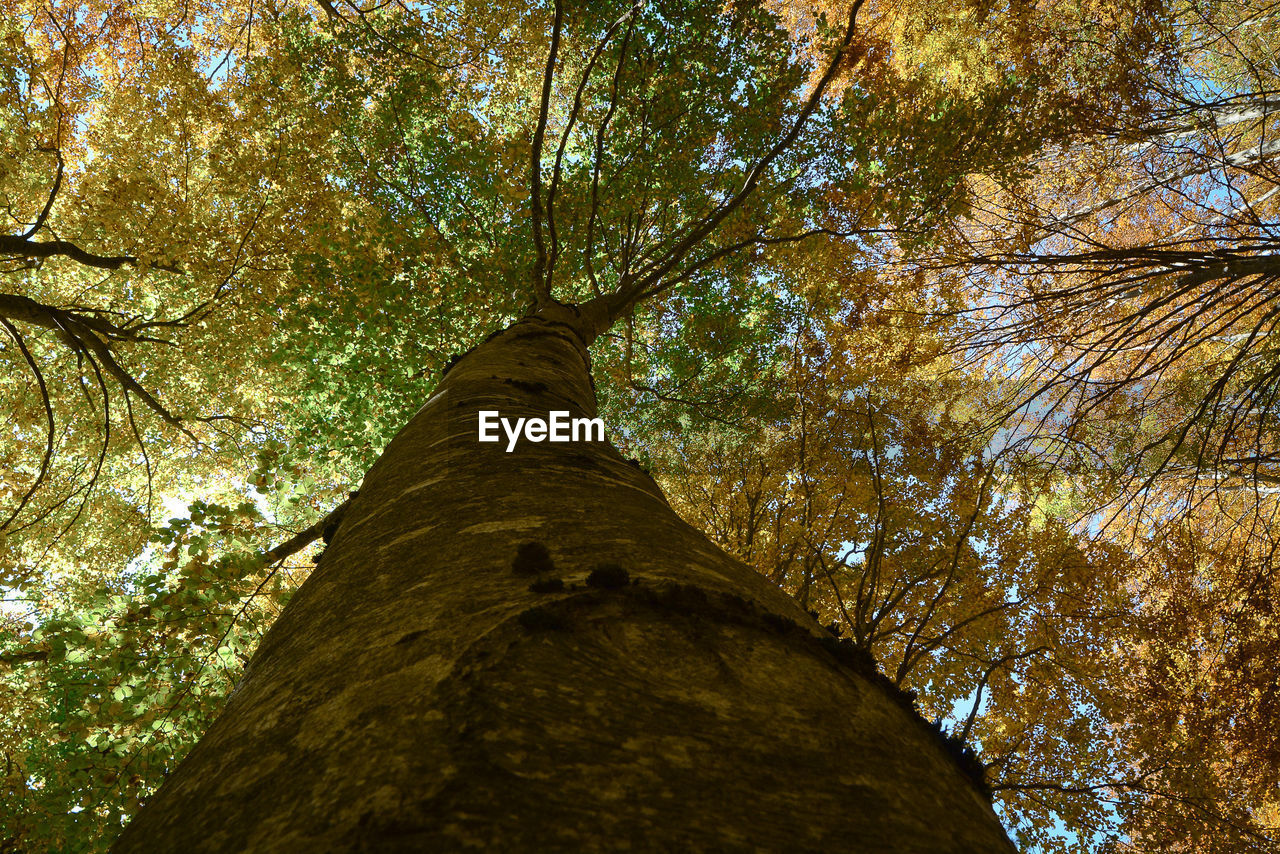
[470,704]
[531,650]
[1140,260]
[1126,291]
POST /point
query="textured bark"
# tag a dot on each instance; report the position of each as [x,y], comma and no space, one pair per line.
[418,695]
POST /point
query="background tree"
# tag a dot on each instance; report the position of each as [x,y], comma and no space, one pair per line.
[1124,295]
[1138,262]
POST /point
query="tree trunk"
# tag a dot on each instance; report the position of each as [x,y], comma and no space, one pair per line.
[431,687]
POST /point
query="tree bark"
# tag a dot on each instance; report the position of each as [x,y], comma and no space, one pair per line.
[431,687]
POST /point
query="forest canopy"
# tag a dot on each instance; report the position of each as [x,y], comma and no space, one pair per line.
[952,319]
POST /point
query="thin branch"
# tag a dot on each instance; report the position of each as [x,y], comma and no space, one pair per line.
[53,194]
[49,421]
[568,128]
[659,268]
[542,293]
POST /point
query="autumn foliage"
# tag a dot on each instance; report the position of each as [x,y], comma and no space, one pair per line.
[977,365]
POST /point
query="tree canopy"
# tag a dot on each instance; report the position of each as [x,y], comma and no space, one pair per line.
[951,319]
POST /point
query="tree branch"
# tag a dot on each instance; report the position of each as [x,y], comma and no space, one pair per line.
[542,294]
[708,224]
[81,334]
[24,248]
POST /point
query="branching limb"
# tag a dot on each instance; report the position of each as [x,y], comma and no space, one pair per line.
[49,421]
[659,268]
[85,334]
[323,527]
[986,677]
[21,247]
[542,293]
[625,18]
[53,195]
[593,215]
